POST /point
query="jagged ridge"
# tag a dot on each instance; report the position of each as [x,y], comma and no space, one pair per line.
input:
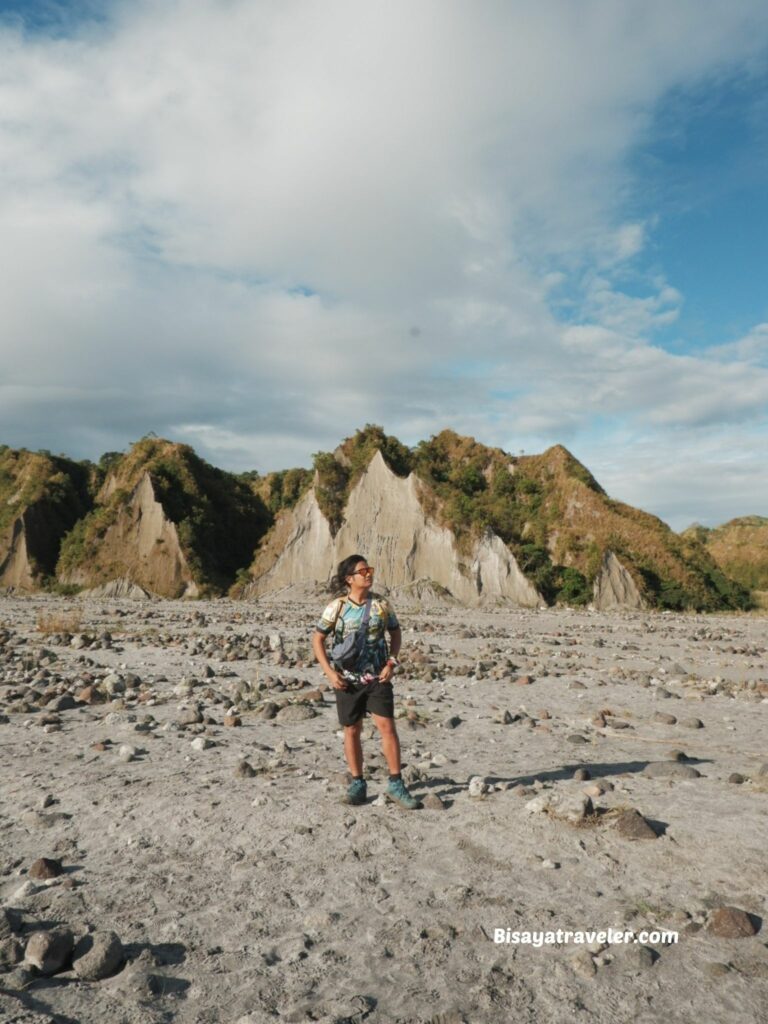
[41,497]
[167,521]
[465,519]
[740,548]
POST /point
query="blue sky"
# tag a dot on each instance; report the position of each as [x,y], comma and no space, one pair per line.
[255,227]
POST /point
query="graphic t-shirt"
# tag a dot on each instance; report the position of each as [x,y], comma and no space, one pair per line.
[374,655]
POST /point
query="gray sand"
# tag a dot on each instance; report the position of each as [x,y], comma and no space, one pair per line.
[265,898]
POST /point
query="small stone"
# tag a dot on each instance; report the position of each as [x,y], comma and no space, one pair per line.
[87,695]
[16,981]
[113,683]
[664,719]
[433,802]
[583,964]
[452,722]
[26,889]
[730,923]
[571,805]
[631,824]
[10,922]
[97,955]
[523,681]
[295,713]
[245,770]
[47,801]
[127,752]
[639,958]
[677,755]
[231,721]
[552,865]
[670,770]
[577,738]
[717,970]
[478,786]
[45,867]
[201,743]
[49,951]
[581,775]
[736,778]
[663,693]
[691,723]
[191,716]
[11,953]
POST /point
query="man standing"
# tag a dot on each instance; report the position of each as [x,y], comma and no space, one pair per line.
[364,687]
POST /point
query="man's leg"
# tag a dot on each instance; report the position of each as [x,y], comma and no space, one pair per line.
[353,747]
[390,745]
[390,742]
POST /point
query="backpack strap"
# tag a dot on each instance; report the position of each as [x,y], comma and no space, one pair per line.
[366,614]
[338,614]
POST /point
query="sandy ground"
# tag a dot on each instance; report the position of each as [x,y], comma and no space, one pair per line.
[262,897]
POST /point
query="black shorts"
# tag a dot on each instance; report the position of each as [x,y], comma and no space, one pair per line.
[360,698]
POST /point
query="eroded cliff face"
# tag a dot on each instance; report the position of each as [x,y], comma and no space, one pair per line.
[16,569]
[614,587]
[385,521]
[41,498]
[141,546]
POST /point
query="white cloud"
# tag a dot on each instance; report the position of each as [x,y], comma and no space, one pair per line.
[260,226]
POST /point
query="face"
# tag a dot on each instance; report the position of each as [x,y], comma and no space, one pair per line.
[362,576]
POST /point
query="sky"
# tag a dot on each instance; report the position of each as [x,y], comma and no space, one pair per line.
[255,227]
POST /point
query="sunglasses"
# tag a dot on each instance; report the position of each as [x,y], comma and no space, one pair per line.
[363,572]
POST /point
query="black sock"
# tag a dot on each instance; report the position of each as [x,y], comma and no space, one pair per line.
[357,778]
[395,778]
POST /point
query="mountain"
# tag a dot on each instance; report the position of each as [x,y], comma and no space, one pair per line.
[447,520]
[740,548]
[486,526]
[41,498]
[166,521]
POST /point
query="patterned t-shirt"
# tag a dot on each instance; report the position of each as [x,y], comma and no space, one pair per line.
[382,618]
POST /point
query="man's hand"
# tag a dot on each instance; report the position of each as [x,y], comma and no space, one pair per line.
[386,673]
[337,681]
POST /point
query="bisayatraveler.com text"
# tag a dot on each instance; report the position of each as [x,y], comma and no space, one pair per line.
[562,937]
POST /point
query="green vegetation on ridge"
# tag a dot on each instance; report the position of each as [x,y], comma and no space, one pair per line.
[218,517]
[50,492]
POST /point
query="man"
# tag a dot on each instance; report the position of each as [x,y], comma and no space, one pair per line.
[366,687]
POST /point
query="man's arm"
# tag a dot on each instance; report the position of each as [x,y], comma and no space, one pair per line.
[395,640]
[318,647]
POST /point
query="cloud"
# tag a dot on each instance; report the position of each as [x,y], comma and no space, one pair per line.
[257,227]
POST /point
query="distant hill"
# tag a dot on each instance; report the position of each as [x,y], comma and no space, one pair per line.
[41,498]
[487,526]
[740,548]
[449,517]
[166,520]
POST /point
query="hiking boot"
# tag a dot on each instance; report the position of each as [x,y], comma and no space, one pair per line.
[357,792]
[398,791]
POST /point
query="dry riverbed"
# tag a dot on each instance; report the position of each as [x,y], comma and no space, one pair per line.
[175,847]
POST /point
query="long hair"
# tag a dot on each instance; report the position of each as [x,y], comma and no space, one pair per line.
[346,567]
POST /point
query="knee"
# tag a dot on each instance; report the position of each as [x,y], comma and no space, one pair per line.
[353,730]
[386,726]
